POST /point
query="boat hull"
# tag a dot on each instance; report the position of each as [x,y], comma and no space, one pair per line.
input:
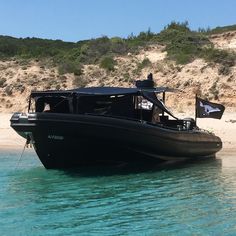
[67,140]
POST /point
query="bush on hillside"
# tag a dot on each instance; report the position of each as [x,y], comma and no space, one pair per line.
[182,44]
[118,46]
[219,56]
[145,63]
[108,63]
[224,70]
[2,82]
[8,90]
[219,30]
[69,67]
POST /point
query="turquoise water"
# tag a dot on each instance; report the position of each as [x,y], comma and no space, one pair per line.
[188,199]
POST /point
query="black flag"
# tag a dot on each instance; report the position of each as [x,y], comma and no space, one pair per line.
[205,109]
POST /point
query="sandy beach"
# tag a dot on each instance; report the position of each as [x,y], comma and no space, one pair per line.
[9,139]
[224,128]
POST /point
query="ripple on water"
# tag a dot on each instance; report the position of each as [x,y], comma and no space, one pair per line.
[192,199]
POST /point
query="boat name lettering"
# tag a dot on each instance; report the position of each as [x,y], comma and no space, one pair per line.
[56,137]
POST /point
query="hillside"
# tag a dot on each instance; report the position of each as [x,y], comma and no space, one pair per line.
[195,62]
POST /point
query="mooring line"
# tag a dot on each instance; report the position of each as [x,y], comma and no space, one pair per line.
[26,145]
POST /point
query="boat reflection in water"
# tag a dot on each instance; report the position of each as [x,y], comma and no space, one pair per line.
[110,125]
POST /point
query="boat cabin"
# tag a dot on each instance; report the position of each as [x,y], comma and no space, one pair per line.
[139,104]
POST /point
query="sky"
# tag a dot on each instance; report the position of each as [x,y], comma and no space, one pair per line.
[75,20]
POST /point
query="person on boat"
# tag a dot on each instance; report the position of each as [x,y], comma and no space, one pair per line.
[156,114]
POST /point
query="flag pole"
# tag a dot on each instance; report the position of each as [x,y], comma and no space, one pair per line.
[196,109]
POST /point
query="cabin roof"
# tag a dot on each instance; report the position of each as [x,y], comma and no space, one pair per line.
[148,93]
[101,91]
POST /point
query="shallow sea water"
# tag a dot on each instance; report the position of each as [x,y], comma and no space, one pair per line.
[186,199]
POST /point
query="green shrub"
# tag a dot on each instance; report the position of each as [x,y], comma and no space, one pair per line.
[2,82]
[219,56]
[58,87]
[145,63]
[224,70]
[183,45]
[215,92]
[8,90]
[118,46]
[126,77]
[108,63]
[69,67]
[146,36]
[219,30]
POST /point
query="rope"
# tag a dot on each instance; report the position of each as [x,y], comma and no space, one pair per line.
[26,145]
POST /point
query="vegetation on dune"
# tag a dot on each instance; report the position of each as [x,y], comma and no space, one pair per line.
[34,60]
[32,47]
[108,63]
[224,58]
[219,30]
[182,45]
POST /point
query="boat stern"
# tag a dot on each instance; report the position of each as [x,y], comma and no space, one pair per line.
[21,124]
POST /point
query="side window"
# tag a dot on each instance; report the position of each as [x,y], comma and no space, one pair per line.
[52,104]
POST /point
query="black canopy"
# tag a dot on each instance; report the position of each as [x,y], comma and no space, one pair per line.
[148,93]
[101,91]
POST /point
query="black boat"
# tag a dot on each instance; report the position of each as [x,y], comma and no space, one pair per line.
[110,125]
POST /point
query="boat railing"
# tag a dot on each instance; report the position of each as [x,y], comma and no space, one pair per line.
[201,130]
[175,128]
[112,116]
[177,125]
